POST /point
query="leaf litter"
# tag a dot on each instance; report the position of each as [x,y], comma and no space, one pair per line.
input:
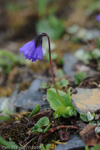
[21,124]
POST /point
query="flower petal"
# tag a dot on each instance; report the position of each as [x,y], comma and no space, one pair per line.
[38,54]
[31,51]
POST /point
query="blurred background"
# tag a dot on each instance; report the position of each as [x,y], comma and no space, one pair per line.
[71,24]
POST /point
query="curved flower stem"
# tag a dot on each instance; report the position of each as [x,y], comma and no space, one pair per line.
[51,68]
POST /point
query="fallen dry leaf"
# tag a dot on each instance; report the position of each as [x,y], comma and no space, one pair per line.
[89,136]
[64,135]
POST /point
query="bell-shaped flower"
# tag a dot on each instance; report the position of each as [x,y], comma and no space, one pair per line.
[98,17]
[33,49]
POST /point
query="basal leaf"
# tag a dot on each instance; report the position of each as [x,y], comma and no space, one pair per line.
[64,112]
[54,100]
[84,117]
[38,127]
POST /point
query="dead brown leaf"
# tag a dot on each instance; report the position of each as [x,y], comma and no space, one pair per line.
[64,135]
[89,135]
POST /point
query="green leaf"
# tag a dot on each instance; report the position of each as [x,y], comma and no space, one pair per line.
[52,26]
[84,117]
[96,147]
[46,129]
[62,108]
[79,77]
[87,148]
[89,116]
[92,123]
[43,148]
[35,110]
[10,145]
[43,122]
[48,146]
[38,130]
[64,112]
[54,100]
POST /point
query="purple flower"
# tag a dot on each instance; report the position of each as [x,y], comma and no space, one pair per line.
[33,49]
[98,17]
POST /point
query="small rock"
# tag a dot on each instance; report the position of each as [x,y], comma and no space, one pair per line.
[28,100]
[69,63]
[86,100]
[35,85]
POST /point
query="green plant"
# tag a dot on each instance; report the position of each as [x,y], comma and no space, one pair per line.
[79,77]
[8,145]
[47,147]
[87,117]
[42,126]
[62,108]
[96,147]
[35,110]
